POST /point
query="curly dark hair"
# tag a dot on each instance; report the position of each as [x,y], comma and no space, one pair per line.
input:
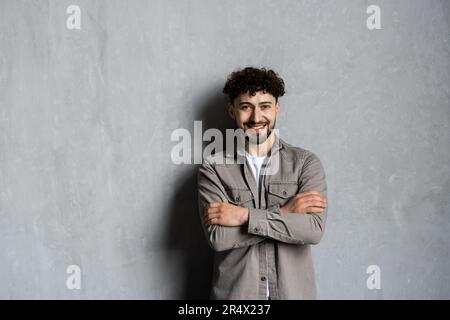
[252,80]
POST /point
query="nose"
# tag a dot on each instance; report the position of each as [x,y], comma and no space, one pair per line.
[256,115]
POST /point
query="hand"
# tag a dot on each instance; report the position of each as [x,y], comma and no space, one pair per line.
[311,201]
[225,214]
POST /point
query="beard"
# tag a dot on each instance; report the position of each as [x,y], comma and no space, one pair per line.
[257,137]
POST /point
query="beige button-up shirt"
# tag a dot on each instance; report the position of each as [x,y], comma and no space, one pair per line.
[274,248]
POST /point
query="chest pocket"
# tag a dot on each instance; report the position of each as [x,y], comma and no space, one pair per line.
[240,197]
[279,193]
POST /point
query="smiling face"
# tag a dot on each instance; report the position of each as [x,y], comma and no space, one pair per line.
[256,115]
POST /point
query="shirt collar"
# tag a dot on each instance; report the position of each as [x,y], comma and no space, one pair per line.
[276,146]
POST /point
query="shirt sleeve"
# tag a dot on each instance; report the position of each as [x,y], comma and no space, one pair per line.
[294,228]
[219,237]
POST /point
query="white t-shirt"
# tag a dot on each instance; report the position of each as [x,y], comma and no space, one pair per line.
[256,164]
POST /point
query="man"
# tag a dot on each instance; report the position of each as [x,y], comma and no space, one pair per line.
[260,221]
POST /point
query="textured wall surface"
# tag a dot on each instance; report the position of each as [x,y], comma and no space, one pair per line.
[86,116]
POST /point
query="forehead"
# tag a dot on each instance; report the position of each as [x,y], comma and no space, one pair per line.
[259,96]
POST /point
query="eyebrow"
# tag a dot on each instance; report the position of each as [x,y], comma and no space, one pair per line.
[263,102]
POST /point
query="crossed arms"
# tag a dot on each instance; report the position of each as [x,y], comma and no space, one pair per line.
[300,221]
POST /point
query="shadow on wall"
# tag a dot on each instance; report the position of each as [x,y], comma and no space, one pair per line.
[185,234]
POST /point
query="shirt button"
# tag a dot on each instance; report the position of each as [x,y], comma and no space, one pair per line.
[238,198]
[263,278]
[284,192]
[256,229]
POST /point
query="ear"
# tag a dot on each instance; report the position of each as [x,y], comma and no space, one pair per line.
[277,108]
[231,111]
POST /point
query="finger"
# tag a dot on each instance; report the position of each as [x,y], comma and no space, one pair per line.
[316,198]
[211,216]
[318,203]
[312,197]
[212,221]
[312,192]
[214,204]
[212,210]
[314,210]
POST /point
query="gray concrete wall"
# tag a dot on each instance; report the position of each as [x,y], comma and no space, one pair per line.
[86,116]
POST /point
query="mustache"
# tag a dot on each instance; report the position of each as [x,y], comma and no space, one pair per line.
[252,123]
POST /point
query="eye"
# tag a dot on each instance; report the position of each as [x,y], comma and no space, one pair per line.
[244,107]
[265,106]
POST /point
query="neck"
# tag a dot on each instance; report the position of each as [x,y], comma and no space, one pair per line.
[260,150]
